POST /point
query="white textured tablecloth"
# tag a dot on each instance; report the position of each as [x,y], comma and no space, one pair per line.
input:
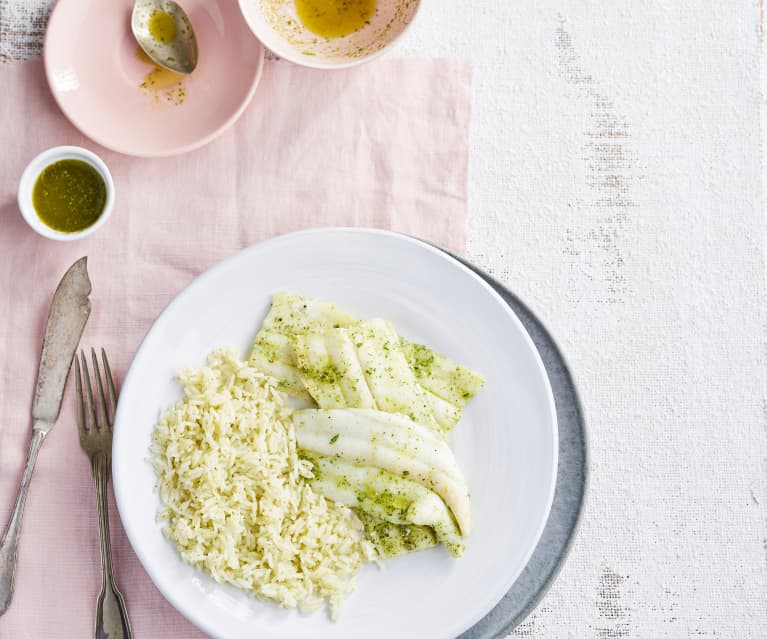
[616,186]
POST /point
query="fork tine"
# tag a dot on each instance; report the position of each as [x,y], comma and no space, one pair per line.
[90,414]
[110,388]
[79,399]
[100,400]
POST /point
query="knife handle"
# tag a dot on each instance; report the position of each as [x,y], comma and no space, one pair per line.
[10,541]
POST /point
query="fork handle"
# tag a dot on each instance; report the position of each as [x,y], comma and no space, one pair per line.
[10,541]
[111,613]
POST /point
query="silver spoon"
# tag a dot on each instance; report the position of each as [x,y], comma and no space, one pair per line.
[163,30]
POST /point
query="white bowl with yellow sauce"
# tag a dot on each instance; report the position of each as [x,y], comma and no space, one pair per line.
[328,34]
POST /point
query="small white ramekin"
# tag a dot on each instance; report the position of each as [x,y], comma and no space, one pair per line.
[33,170]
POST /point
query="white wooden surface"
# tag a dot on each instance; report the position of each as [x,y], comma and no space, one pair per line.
[616,186]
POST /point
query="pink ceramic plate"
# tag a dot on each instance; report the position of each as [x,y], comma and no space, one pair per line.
[96,77]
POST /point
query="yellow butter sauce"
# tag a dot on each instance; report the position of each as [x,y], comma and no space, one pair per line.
[162,27]
[335,18]
[163,85]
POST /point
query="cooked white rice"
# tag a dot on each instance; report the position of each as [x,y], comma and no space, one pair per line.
[235,500]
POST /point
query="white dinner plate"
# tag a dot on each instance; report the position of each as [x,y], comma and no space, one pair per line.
[506,442]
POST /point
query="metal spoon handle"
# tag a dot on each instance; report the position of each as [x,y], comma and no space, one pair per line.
[10,541]
[111,612]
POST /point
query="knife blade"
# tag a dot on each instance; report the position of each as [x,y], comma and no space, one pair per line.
[66,320]
[69,312]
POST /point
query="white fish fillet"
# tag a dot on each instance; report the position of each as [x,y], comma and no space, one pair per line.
[386,496]
[440,375]
[296,315]
[274,354]
[390,442]
[445,414]
[331,371]
[388,376]
[434,390]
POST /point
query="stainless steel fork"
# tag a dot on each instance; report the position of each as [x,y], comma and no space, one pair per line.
[95,416]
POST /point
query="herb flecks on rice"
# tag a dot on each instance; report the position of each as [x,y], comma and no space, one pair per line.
[236,500]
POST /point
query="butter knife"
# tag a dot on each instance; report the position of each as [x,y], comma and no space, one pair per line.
[66,320]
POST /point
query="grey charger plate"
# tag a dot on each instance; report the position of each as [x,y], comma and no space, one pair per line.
[570,491]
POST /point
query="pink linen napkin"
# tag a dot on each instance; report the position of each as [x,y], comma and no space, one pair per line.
[389,149]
